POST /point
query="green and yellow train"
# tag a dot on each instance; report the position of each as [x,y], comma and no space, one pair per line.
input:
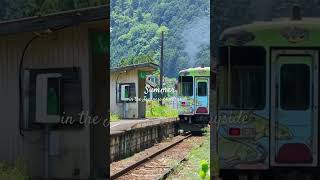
[193,94]
[268,94]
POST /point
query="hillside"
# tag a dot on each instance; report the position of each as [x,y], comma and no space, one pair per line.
[137,25]
[12,9]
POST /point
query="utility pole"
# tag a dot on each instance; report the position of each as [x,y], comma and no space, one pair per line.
[161,69]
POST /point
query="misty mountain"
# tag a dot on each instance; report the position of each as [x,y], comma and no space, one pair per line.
[137,25]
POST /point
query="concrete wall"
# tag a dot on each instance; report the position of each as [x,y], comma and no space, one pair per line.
[126,143]
[66,48]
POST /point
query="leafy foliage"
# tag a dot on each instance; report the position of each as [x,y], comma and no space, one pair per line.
[154,110]
[23,8]
[137,26]
[114,117]
[203,173]
[144,58]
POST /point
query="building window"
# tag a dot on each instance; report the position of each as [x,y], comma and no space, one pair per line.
[127,92]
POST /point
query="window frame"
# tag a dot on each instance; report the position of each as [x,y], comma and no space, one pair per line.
[120,92]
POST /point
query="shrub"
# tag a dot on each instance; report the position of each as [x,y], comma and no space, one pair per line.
[114,117]
[203,173]
[154,110]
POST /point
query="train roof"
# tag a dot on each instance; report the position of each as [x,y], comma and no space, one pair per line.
[275,23]
[198,71]
[282,31]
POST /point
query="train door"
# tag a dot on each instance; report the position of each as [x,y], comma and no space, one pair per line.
[202,95]
[294,114]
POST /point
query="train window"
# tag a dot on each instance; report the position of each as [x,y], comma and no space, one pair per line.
[294,87]
[243,78]
[247,87]
[186,84]
[202,89]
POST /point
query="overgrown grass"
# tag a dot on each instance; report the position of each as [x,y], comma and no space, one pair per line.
[114,117]
[154,110]
[191,168]
[17,172]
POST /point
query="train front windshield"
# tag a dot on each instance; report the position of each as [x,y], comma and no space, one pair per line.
[242,78]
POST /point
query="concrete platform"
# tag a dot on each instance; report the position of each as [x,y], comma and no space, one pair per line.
[130,124]
[131,136]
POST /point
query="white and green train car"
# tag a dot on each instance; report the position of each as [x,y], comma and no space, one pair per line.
[268,91]
[193,94]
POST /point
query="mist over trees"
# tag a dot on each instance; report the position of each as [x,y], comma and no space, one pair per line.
[137,25]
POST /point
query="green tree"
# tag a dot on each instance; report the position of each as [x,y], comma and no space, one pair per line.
[137,25]
[23,8]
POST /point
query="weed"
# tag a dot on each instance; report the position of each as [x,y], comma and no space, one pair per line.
[198,159]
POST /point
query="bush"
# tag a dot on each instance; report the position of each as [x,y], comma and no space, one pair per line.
[114,117]
[154,110]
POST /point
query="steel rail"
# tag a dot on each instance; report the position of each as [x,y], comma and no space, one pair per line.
[148,158]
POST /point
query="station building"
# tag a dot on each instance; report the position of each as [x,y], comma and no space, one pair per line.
[127,85]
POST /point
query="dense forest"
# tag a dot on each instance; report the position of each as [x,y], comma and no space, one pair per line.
[12,9]
[137,26]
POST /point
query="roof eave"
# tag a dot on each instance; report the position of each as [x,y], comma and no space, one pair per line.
[55,20]
[152,66]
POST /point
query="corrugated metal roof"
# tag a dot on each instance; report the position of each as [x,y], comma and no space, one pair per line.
[136,66]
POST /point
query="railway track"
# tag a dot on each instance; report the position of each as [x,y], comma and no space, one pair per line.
[157,164]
